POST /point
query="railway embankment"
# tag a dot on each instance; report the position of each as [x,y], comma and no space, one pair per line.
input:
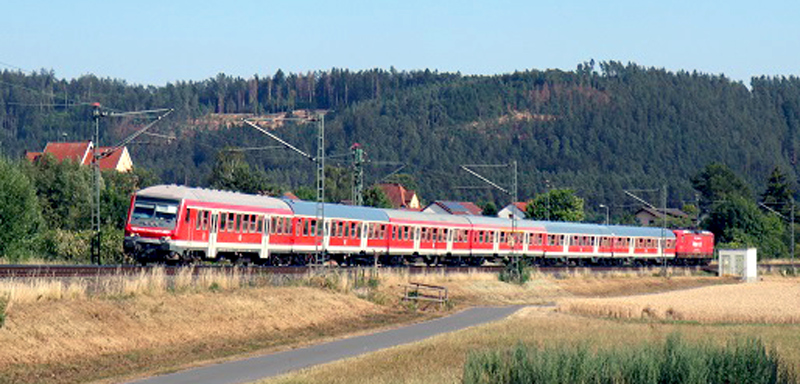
[104,328]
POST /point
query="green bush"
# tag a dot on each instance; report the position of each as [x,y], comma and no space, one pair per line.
[516,272]
[674,361]
[20,214]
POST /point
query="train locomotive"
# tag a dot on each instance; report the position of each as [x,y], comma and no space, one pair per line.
[178,224]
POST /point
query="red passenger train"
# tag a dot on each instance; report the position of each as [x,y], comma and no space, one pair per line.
[169,223]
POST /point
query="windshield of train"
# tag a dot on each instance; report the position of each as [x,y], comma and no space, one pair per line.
[156,213]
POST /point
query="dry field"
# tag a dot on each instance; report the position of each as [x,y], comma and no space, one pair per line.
[440,359]
[774,301]
[63,331]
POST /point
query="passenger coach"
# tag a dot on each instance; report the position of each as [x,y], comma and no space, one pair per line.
[181,224]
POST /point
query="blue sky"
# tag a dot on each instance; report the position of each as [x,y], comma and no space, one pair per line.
[155,42]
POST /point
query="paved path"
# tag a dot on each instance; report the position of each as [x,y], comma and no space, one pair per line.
[256,368]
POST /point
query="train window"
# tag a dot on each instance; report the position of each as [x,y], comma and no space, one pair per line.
[245,223]
[304,227]
[312,228]
[260,225]
[382,233]
[346,230]
[253,224]
[188,213]
[222,221]
[238,226]
[371,231]
[406,233]
[288,225]
[199,221]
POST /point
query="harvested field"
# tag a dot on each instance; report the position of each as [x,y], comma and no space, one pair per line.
[769,302]
[46,333]
[75,330]
[441,359]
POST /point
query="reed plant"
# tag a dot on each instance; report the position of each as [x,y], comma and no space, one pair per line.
[672,362]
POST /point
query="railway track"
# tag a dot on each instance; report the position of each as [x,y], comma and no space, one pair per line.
[65,271]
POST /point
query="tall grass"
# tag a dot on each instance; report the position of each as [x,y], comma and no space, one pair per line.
[148,282]
[673,362]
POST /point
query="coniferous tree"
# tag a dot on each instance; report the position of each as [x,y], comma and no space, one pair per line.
[779,194]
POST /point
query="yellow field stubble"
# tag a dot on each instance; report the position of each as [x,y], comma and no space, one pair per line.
[441,359]
[773,302]
[88,327]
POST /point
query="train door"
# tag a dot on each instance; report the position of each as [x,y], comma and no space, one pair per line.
[495,241]
[450,235]
[212,235]
[526,241]
[416,239]
[264,236]
[364,236]
[326,234]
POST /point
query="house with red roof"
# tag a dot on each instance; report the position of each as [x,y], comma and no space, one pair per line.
[81,153]
[399,196]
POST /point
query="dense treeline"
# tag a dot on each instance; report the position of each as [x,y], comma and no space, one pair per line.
[598,130]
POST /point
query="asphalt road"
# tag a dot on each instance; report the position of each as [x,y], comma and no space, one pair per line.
[252,369]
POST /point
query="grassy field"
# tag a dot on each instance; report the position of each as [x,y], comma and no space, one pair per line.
[441,359]
[77,330]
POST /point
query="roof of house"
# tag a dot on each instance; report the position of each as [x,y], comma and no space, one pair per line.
[110,161]
[290,196]
[520,205]
[674,212]
[78,152]
[398,195]
[32,156]
[459,207]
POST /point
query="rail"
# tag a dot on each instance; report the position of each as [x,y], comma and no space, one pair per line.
[430,294]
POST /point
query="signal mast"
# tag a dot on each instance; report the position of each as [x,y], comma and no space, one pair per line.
[97,113]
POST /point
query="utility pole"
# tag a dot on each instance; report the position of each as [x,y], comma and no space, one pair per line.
[513,194]
[97,114]
[358,174]
[319,160]
[664,230]
[791,222]
[663,210]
